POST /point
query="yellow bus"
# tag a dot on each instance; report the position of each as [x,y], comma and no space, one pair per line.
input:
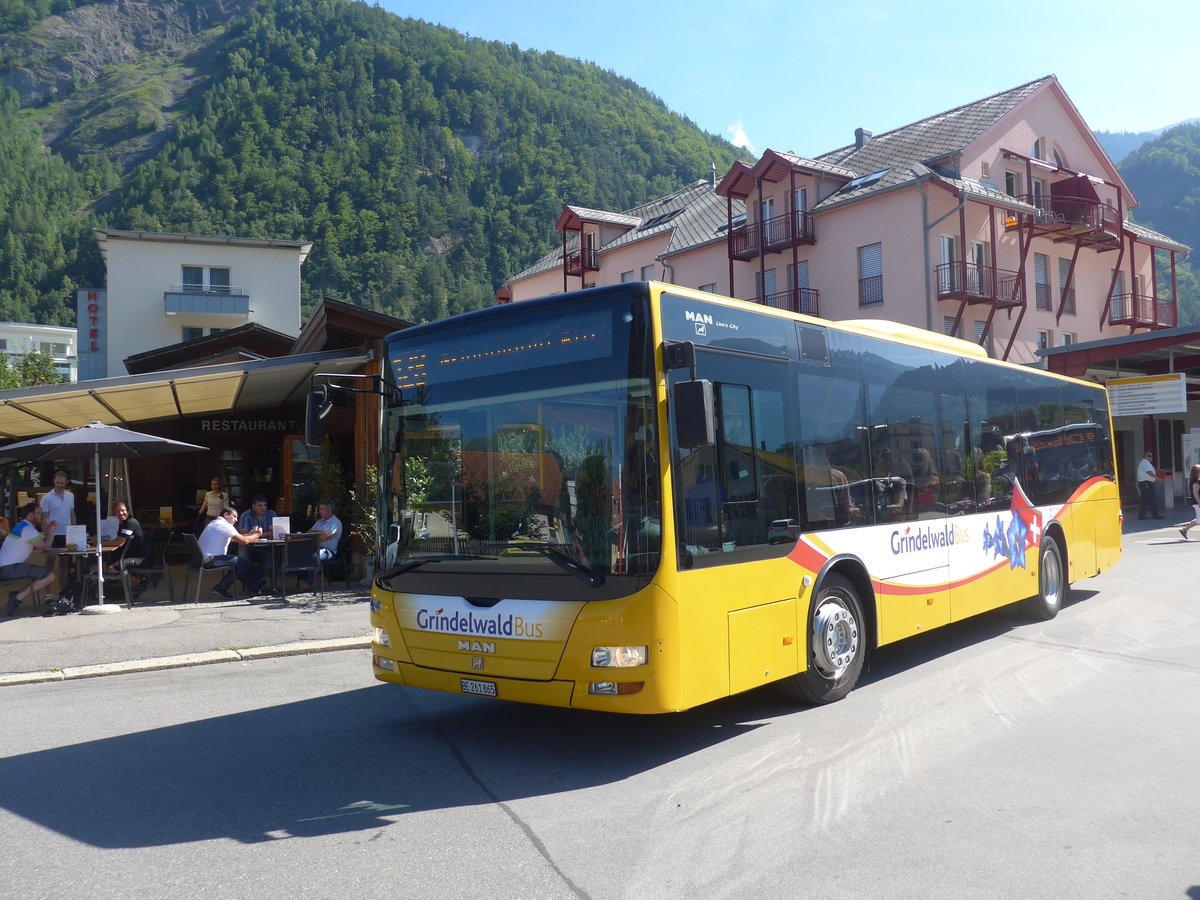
[640,498]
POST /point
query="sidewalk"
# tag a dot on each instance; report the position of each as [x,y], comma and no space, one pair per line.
[169,635]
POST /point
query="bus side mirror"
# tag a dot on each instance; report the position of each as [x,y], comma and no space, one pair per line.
[318,408]
[695,421]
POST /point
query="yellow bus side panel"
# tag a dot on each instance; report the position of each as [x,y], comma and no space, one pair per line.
[905,611]
[707,670]
[763,644]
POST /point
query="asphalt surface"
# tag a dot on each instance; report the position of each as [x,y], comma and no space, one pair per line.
[160,634]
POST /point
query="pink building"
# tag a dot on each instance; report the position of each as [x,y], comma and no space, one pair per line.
[1002,221]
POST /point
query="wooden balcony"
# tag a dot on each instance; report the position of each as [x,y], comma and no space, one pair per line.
[576,262]
[801,300]
[772,236]
[979,284]
[1142,311]
[1070,218]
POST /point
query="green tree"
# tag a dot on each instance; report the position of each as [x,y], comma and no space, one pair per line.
[27,370]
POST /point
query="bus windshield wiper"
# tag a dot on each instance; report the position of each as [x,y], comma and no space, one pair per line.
[560,559]
[415,563]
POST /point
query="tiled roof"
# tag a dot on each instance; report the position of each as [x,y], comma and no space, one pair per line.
[693,216]
[603,216]
[1149,236]
[817,165]
[892,155]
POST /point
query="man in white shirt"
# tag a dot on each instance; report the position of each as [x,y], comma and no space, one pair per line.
[1147,481]
[26,537]
[59,508]
[214,544]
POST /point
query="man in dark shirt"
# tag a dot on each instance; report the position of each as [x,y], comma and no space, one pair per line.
[257,516]
[129,531]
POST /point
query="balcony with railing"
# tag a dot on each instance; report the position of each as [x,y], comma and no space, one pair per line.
[801,300]
[1069,218]
[772,235]
[577,262]
[1142,311]
[1068,299]
[978,284]
[870,290]
[228,302]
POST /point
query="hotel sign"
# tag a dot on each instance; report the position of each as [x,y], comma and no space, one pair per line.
[91,314]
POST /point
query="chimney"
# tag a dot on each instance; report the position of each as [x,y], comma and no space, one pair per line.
[712,176]
[862,137]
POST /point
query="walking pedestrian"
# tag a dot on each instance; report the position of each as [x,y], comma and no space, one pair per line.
[1194,494]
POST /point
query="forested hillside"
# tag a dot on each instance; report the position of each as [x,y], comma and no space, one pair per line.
[424,165]
[1165,177]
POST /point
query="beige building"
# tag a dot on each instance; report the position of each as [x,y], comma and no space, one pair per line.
[166,288]
[1002,221]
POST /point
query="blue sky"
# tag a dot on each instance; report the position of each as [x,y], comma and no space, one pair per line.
[803,75]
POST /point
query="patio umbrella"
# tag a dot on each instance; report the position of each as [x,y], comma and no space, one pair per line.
[95,440]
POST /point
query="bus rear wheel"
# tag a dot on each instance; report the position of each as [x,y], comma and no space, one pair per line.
[1052,583]
[837,644]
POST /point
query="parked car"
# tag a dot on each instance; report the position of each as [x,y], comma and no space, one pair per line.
[782,530]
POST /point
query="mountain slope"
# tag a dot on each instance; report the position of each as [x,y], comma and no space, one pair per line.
[426,166]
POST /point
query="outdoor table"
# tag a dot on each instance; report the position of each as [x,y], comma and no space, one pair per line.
[79,556]
[274,544]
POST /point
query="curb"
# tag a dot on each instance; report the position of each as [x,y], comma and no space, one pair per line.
[296,648]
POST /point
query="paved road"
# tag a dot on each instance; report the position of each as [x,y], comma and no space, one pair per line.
[993,759]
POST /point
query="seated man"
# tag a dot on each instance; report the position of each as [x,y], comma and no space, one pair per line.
[330,528]
[129,531]
[257,516]
[16,550]
[214,544]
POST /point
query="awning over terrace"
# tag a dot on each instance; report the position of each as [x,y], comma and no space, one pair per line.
[175,394]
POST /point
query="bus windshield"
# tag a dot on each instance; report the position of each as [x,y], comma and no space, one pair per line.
[519,446]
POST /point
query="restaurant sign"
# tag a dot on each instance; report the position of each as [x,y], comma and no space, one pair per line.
[264,425]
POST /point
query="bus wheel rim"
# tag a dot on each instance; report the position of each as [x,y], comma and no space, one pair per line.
[835,637]
[1051,579]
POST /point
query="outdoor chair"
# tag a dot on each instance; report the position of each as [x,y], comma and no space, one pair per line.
[155,562]
[301,554]
[339,564]
[196,562]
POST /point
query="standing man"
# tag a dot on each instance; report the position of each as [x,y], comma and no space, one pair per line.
[330,528]
[257,516]
[214,544]
[26,537]
[59,507]
[1147,481]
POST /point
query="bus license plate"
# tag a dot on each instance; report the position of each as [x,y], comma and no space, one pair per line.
[482,688]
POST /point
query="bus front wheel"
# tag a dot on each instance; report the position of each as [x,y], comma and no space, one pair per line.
[1052,583]
[837,644]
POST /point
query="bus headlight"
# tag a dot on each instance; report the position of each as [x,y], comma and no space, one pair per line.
[618,657]
[381,638]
